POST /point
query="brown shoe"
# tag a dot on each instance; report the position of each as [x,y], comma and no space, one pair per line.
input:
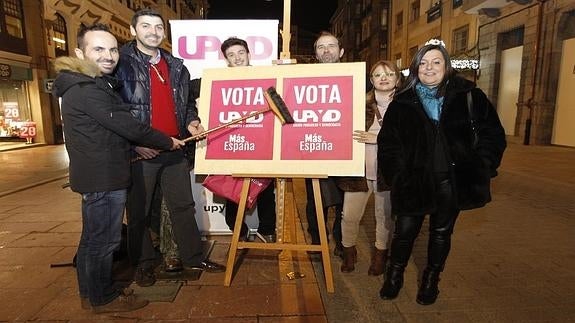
[349,259]
[121,303]
[378,261]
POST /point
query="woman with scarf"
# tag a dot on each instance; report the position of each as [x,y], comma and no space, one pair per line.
[440,144]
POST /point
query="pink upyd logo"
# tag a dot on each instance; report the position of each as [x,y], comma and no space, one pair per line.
[197,47]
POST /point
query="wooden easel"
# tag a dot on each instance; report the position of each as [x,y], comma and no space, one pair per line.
[280,213]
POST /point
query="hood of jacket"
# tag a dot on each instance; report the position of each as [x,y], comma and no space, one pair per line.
[71,71]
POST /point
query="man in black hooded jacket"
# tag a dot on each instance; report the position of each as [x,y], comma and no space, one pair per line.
[98,129]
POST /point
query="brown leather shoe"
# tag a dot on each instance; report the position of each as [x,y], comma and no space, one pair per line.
[122,303]
[349,259]
[173,264]
[378,262]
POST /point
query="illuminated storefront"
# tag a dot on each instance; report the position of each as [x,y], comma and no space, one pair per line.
[15,112]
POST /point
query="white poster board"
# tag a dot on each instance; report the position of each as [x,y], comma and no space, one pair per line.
[198,43]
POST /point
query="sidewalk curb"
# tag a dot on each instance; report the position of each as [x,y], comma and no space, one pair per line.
[28,186]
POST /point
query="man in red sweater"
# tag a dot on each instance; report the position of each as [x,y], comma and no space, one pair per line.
[157,85]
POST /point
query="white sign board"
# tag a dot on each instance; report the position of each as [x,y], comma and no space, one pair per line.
[198,43]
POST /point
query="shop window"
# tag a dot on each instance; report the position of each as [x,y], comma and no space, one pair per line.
[14,108]
[60,36]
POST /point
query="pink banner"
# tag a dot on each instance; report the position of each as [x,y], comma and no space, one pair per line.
[322,110]
[251,139]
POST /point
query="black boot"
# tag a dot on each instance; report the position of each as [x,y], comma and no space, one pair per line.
[428,290]
[393,281]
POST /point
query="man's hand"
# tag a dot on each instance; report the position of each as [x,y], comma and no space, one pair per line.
[365,137]
[177,143]
[196,128]
[147,153]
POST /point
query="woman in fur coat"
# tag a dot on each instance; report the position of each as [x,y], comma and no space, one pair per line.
[438,154]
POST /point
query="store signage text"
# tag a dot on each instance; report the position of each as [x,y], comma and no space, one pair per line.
[205,44]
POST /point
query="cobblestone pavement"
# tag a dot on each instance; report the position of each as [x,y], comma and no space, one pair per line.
[511,261]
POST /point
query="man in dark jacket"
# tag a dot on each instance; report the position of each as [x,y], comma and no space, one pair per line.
[157,84]
[327,50]
[98,129]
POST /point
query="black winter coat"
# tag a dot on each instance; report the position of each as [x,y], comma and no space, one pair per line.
[133,72]
[98,128]
[406,148]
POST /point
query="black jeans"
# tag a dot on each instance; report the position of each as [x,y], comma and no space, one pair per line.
[266,203]
[311,215]
[170,171]
[441,224]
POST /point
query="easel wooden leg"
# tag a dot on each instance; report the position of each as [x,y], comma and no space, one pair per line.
[322,236]
[236,235]
[285,231]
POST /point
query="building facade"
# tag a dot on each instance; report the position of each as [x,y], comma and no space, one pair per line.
[527,58]
[520,52]
[34,32]
[363,30]
[415,22]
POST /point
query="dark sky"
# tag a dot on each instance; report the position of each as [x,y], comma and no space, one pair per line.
[311,15]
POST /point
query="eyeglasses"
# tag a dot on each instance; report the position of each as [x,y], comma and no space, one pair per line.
[378,75]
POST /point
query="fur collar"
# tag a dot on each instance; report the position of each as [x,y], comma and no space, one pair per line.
[74,64]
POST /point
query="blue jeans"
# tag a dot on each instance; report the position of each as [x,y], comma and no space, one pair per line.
[102,214]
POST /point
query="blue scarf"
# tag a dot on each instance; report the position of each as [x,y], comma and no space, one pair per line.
[430,102]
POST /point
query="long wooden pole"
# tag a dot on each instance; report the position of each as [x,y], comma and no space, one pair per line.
[286,35]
